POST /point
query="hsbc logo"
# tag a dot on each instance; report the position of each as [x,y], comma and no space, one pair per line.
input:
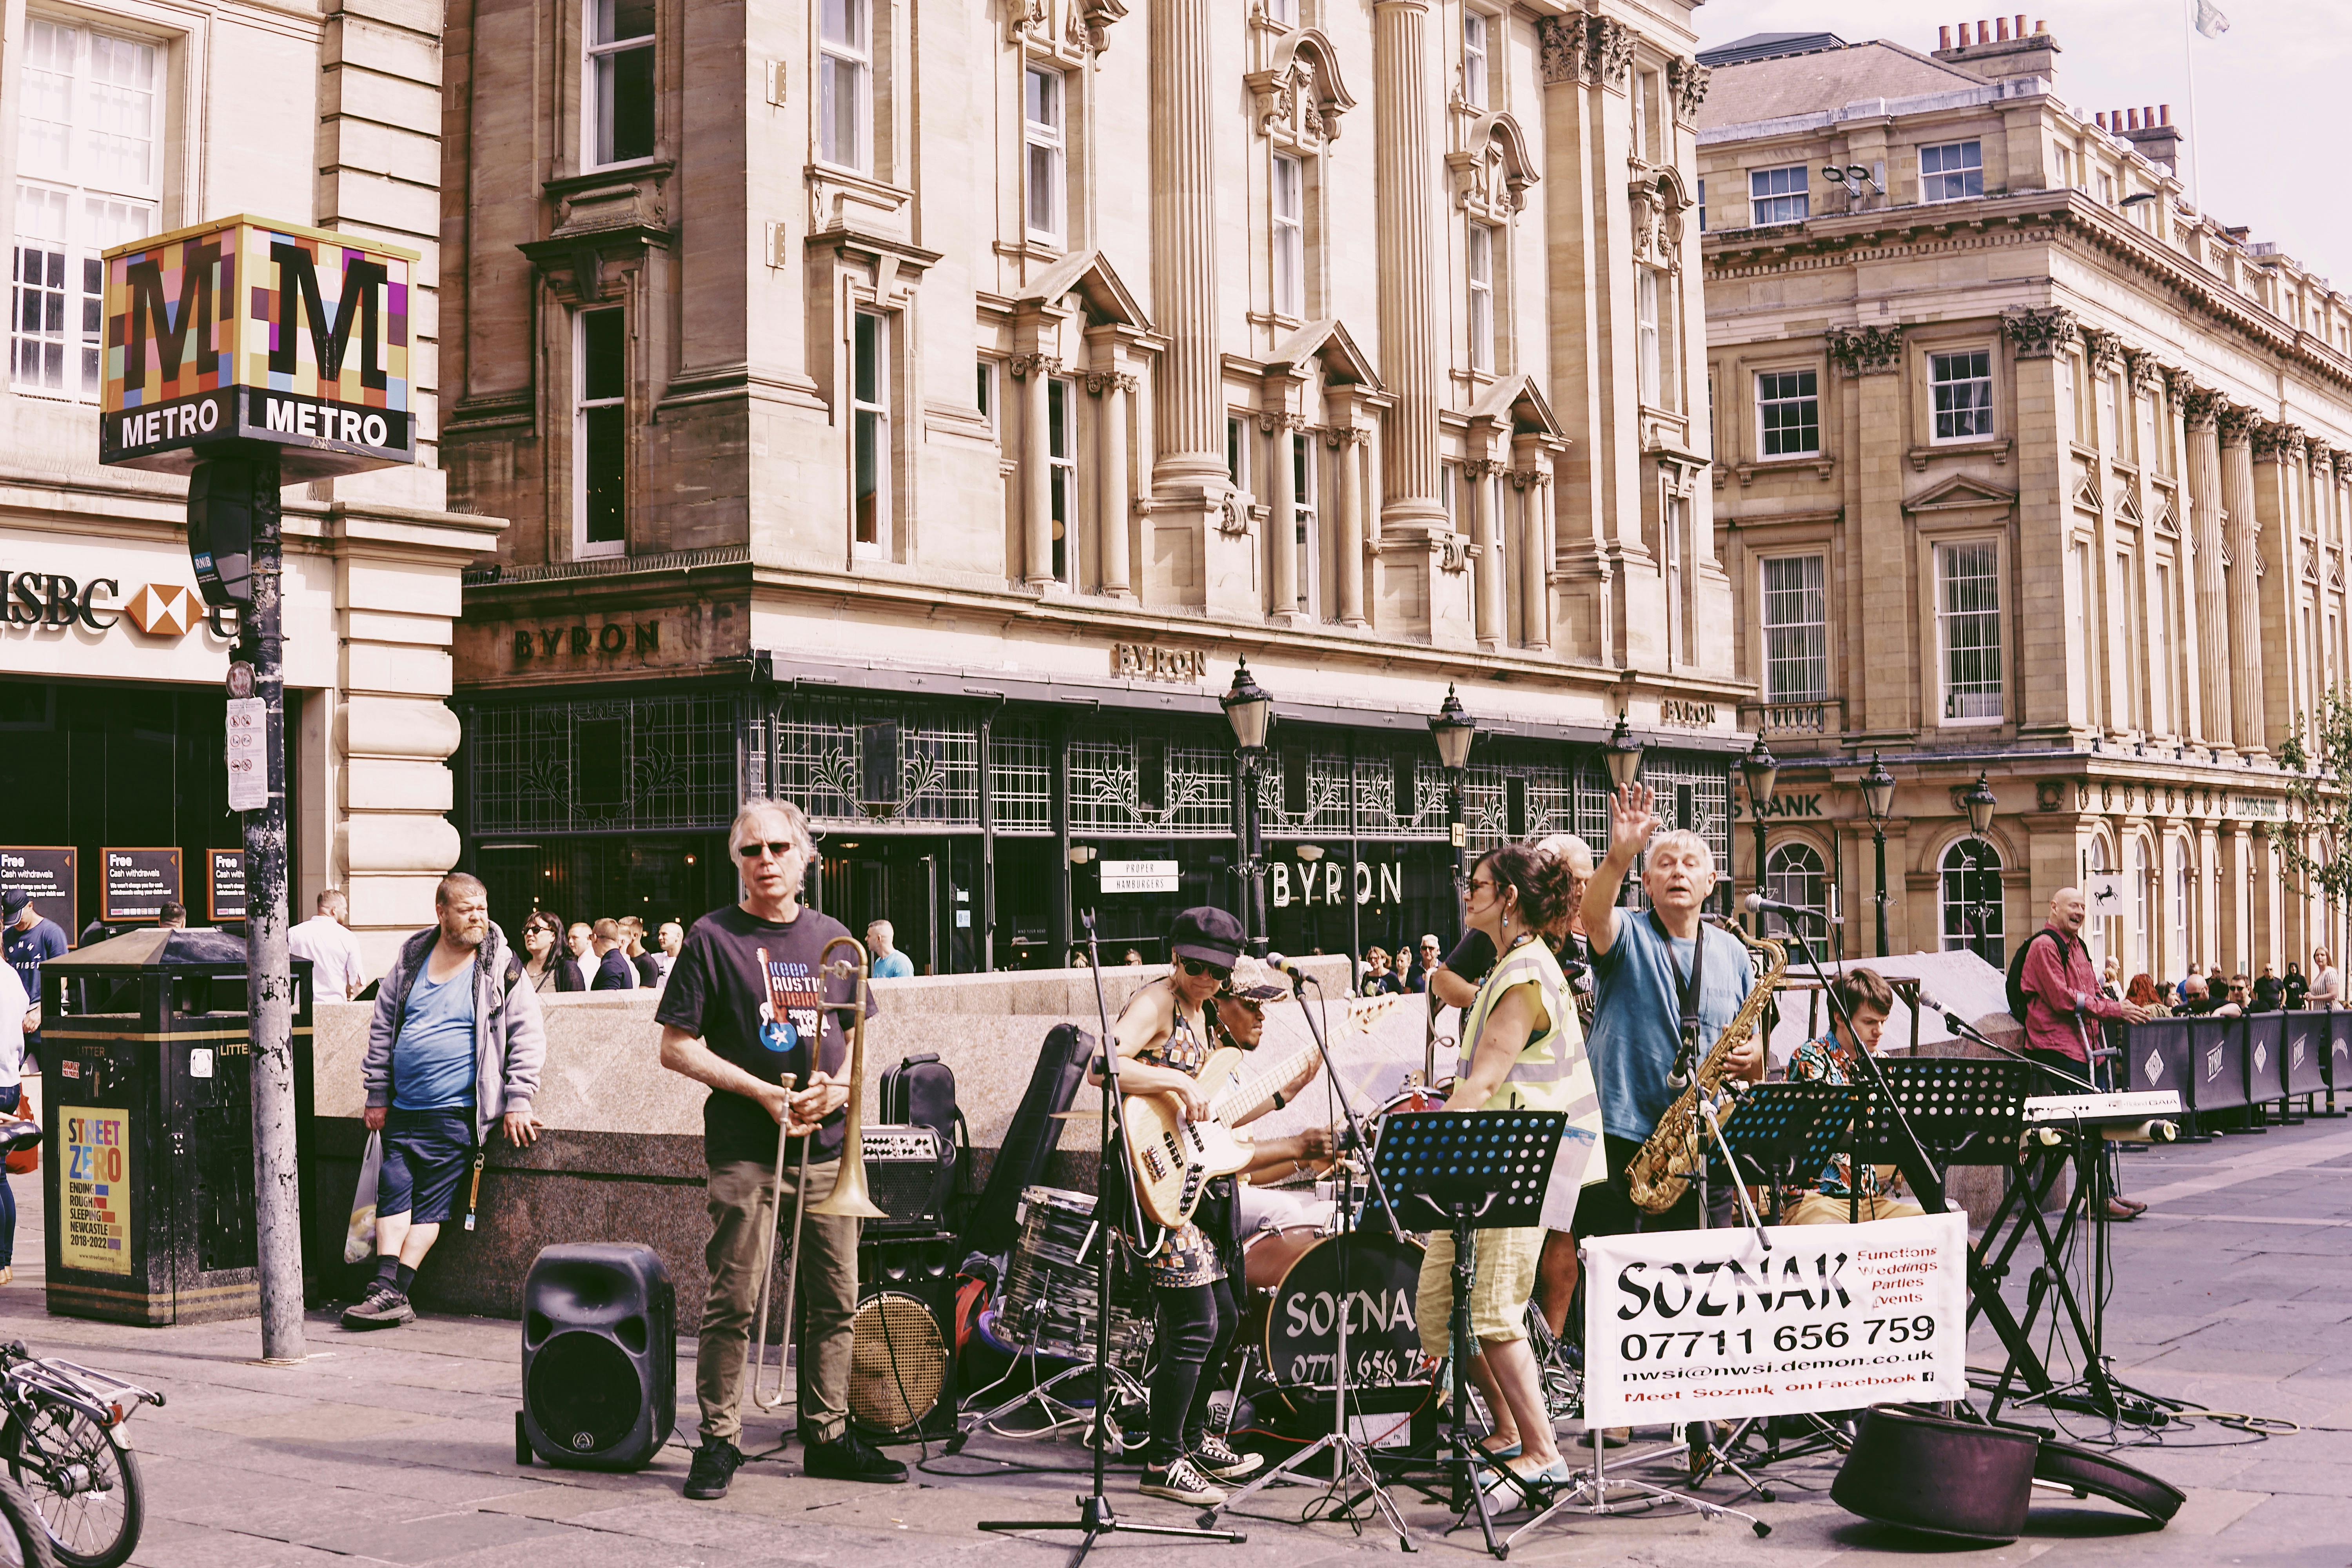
[55,601]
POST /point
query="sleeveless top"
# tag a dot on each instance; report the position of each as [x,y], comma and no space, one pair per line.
[1551,1071]
[1187,1256]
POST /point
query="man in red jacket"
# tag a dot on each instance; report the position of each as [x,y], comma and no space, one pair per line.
[2061,999]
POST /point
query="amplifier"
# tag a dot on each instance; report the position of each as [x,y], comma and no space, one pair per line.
[909,1171]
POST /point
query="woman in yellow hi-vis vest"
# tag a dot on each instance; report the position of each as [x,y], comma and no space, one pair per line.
[1523,1051]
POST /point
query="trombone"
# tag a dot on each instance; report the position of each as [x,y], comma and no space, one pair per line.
[850,1197]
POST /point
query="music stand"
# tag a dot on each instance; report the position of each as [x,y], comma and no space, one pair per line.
[1468,1171]
[1781,1131]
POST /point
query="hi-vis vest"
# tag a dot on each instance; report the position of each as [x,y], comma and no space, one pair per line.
[1551,1071]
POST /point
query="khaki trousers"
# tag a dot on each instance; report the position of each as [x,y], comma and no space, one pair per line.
[1820,1208]
[741,1213]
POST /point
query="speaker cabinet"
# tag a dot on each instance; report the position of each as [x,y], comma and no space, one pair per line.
[599,1356]
[902,1383]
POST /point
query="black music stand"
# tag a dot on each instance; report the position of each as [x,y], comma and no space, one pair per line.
[1784,1134]
[1467,1170]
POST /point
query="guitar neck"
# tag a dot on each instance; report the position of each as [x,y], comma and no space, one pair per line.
[1246,1094]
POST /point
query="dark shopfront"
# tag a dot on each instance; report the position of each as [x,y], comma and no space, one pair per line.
[619,804]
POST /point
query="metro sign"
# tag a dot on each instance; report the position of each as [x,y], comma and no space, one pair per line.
[249,330]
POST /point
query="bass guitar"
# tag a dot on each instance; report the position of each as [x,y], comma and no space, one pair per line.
[1172,1157]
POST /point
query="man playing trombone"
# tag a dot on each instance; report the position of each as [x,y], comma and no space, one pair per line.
[746,1000]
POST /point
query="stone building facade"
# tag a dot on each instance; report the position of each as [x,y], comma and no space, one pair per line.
[2025,467]
[917,410]
[120,119]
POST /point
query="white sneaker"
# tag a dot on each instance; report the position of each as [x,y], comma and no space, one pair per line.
[1220,1460]
[1180,1480]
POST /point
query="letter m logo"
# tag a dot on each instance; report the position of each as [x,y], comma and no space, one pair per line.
[152,315]
[361,303]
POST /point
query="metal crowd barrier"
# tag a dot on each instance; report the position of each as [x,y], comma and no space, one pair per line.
[2250,1069]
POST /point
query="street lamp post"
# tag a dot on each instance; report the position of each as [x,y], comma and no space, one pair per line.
[1453,729]
[1760,768]
[1623,755]
[1878,799]
[1251,712]
[1981,803]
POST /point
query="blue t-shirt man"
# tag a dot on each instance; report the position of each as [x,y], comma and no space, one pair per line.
[30,946]
[1637,1015]
[432,1058]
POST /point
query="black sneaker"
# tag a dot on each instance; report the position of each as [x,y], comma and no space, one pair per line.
[1220,1460]
[381,1307]
[850,1457]
[713,1469]
[1179,1480]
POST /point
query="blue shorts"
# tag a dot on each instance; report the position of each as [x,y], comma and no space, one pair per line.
[424,1153]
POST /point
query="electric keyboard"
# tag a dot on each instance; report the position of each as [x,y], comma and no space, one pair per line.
[2099,1109]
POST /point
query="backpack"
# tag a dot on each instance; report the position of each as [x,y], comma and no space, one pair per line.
[2016,983]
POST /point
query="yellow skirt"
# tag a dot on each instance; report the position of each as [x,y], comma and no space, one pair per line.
[1506,1278]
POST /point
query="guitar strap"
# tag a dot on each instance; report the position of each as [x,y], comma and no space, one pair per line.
[1686,985]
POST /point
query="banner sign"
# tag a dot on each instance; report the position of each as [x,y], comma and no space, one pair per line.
[248,330]
[226,886]
[1707,1325]
[138,883]
[1138,876]
[47,874]
[95,1181]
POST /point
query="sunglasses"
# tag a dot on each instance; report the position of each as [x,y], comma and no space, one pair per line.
[1256,1009]
[752,851]
[1196,967]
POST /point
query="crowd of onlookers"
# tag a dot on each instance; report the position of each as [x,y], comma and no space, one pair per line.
[608,954]
[2217,994]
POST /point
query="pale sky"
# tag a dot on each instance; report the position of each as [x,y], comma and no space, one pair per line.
[2270,92]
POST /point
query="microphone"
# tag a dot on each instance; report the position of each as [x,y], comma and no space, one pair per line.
[1298,976]
[1757,904]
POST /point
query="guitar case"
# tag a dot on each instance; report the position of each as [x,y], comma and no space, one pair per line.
[1027,1153]
[2103,1475]
[1928,1473]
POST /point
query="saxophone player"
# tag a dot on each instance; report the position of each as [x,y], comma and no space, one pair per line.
[1654,970]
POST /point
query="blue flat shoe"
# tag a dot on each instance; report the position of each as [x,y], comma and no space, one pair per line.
[1510,1453]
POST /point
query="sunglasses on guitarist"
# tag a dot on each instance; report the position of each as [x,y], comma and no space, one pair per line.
[1196,967]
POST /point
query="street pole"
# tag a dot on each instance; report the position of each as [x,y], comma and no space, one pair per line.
[1456,787]
[1254,865]
[1760,888]
[269,987]
[1878,834]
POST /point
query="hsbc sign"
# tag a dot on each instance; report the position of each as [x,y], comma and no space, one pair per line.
[246,331]
[55,601]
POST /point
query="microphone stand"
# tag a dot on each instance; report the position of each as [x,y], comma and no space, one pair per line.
[1096,1518]
[1349,1461]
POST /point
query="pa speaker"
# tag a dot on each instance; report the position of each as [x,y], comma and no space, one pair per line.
[599,1357]
[902,1383]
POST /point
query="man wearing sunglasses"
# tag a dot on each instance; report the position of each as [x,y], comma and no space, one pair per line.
[1164,1037]
[745,1005]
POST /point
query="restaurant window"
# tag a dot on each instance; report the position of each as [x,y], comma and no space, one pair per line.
[89,175]
[601,434]
[620,97]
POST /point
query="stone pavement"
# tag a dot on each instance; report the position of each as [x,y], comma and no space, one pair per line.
[398,1447]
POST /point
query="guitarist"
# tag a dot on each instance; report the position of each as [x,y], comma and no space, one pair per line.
[1238,1015]
[1164,1036]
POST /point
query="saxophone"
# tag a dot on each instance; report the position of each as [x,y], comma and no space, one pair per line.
[1665,1164]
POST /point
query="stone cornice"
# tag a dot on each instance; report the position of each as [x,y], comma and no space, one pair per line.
[2025,218]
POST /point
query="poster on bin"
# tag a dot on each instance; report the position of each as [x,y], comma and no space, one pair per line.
[96,1190]
[1709,1325]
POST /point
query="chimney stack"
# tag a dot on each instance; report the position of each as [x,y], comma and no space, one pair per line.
[1995,48]
[2132,116]
[2152,131]
[2101,119]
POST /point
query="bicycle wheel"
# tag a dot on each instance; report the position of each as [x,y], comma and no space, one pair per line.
[25,1542]
[85,1489]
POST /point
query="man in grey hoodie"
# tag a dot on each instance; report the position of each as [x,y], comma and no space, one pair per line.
[455,1044]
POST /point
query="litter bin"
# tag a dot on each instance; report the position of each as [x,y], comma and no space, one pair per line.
[147,1168]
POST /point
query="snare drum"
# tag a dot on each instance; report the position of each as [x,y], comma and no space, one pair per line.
[1293,1321]
[1048,1305]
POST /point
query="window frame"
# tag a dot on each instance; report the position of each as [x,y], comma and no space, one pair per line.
[1649,367]
[1050,139]
[593,107]
[1779,881]
[583,406]
[1802,194]
[1945,620]
[1765,433]
[1062,476]
[1939,386]
[1479,291]
[858,55]
[1767,627]
[1287,237]
[1305,513]
[870,410]
[1966,173]
[1477,56]
[1971,853]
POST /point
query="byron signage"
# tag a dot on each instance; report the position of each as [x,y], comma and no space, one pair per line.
[1150,661]
[547,645]
[1338,882]
[1686,712]
[248,330]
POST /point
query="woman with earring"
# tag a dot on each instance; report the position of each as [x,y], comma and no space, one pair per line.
[545,965]
[1523,1050]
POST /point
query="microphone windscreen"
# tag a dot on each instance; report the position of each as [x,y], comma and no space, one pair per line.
[1755,903]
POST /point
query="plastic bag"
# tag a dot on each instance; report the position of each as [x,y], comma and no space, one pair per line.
[25,1161]
[359,1242]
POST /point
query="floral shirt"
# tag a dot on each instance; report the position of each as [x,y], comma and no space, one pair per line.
[1189,1256]
[1826,1062]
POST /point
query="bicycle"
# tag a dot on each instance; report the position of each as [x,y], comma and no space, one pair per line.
[25,1543]
[63,1436]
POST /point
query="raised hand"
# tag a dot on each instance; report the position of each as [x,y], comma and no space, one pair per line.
[1631,820]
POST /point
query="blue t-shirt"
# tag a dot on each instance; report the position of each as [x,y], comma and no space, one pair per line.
[893,965]
[1637,1015]
[28,950]
[433,1060]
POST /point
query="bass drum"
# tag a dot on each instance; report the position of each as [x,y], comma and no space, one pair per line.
[1293,1321]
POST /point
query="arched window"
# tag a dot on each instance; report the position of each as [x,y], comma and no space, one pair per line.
[1792,875]
[2143,939]
[2099,933]
[1971,897]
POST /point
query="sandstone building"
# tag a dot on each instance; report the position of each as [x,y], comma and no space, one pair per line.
[2023,466]
[916,411]
[122,119]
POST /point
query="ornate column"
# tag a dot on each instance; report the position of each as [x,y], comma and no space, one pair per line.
[1112,387]
[1531,482]
[1033,371]
[1189,404]
[2200,406]
[1410,361]
[2245,583]
[1348,569]
[1488,529]
[1282,518]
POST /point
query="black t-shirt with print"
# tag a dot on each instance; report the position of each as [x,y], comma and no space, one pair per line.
[750,989]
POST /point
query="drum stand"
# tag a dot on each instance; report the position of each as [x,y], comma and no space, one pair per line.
[1059,1413]
[1348,1460]
[1096,1519]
